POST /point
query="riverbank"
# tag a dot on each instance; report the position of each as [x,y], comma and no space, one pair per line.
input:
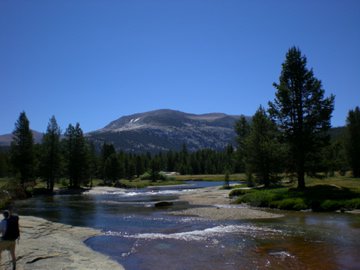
[215,203]
[49,245]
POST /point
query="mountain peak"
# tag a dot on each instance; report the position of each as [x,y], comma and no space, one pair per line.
[166,129]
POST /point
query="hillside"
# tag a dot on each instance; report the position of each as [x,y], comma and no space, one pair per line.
[163,130]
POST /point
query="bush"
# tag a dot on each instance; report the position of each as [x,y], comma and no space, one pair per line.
[290,204]
[331,205]
[239,192]
[352,204]
[262,198]
[5,198]
[145,176]
[158,176]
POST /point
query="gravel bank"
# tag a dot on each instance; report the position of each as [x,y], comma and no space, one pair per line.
[214,203]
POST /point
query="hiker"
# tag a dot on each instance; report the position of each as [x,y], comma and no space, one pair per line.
[9,228]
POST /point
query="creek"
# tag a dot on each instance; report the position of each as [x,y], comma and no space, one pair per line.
[143,237]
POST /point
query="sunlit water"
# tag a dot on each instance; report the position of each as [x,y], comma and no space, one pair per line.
[142,237]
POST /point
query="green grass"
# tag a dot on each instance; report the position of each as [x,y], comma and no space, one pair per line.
[328,194]
[138,183]
[210,177]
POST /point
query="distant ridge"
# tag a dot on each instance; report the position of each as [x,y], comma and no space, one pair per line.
[163,130]
[5,140]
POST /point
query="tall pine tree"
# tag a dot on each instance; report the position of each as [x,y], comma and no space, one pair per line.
[76,153]
[22,150]
[242,129]
[263,149]
[353,140]
[301,111]
[51,154]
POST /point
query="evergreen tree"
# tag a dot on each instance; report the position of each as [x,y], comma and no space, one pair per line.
[4,167]
[111,168]
[229,159]
[353,140]
[94,162]
[51,154]
[130,167]
[76,153]
[263,149]
[107,150]
[22,150]
[335,158]
[301,111]
[183,166]
[242,129]
[140,168]
[171,159]
[154,168]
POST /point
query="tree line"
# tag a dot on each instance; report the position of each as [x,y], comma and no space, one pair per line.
[73,157]
[291,136]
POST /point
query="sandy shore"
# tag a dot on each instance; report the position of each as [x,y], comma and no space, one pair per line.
[49,245]
[214,203]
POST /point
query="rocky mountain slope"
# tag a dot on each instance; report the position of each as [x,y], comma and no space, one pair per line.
[5,140]
[163,130]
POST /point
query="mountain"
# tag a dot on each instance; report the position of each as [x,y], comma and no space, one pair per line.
[5,140]
[163,130]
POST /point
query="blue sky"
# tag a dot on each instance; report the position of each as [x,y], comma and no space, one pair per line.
[93,61]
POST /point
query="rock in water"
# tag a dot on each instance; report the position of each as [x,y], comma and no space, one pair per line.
[163,204]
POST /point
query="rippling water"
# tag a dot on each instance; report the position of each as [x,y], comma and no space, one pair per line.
[142,237]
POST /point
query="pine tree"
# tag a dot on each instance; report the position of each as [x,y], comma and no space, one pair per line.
[51,154]
[353,140]
[111,168]
[4,167]
[263,149]
[107,150]
[140,168]
[76,153]
[22,150]
[301,111]
[94,161]
[242,129]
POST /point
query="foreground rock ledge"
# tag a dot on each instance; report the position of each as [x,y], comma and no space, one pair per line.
[49,245]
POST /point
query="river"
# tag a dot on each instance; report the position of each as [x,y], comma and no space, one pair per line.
[143,237]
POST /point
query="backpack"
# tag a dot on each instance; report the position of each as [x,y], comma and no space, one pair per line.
[12,228]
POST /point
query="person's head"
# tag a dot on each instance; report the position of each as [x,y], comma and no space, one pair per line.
[6,214]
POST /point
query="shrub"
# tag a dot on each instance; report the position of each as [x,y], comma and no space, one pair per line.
[331,205]
[145,176]
[239,192]
[262,198]
[291,204]
[158,176]
[352,204]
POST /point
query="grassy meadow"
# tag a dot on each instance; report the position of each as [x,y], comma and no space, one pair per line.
[326,194]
